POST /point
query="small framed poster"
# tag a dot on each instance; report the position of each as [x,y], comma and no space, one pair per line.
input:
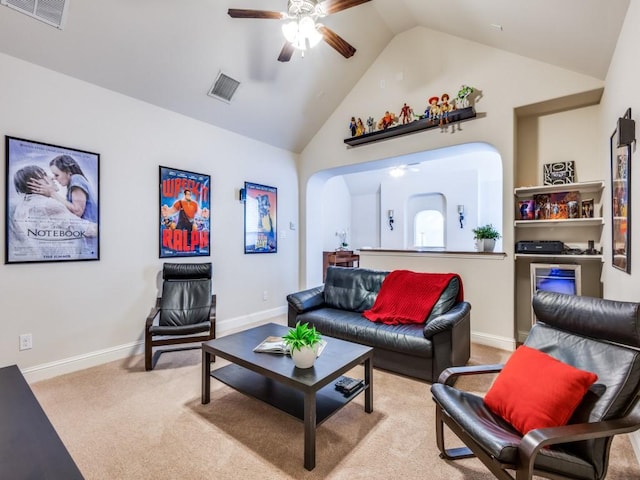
[558,173]
[620,204]
[185,204]
[52,207]
[587,208]
[260,218]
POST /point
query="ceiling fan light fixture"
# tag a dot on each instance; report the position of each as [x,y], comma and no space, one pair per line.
[290,31]
[302,32]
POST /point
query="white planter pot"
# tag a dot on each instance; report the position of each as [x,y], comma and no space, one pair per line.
[485,244]
[304,357]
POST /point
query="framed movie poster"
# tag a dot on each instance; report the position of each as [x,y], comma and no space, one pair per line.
[620,204]
[52,207]
[185,205]
[260,218]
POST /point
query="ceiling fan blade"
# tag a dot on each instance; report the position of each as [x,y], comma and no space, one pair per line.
[334,6]
[337,42]
[286,52]
[241,13]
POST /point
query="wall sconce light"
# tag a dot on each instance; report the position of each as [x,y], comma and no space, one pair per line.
[242,196]
[390,215]
[461,215]
[626,129]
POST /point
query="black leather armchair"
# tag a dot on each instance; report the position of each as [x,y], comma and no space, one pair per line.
[600,336]
[184,313]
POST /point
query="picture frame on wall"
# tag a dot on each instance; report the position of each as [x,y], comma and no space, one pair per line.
[620,204]
[260,218]
[185,213]
[52,204]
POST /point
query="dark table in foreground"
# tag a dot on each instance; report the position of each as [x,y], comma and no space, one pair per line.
[30,447]
[307,394]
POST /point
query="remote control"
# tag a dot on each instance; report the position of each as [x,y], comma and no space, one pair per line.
[348,385]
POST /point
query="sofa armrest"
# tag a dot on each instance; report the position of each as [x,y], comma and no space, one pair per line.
[307,299]
[446,321]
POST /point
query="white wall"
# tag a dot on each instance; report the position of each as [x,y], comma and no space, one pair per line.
[336,214]
[84,312]
[621,92]
[432,63]
[366,220]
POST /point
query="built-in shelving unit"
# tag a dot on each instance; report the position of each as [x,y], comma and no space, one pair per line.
[556,131]
[551,226]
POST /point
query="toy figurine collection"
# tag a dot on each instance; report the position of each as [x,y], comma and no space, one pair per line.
[440,111]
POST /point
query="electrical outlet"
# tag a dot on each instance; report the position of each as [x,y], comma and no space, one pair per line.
[265,295]
[26,341]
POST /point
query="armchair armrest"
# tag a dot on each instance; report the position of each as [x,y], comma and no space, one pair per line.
[449,375]
[307,299]
[153,314]
[533,441]
[447,320]
[212,309]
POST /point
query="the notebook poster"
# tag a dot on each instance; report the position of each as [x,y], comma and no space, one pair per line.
[52,203]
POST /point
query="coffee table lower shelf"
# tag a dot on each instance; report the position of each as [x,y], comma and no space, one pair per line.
[281,396]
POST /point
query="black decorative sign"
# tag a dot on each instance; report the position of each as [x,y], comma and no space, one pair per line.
[559,173]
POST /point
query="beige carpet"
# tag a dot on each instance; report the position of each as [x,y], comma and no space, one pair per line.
[120,422]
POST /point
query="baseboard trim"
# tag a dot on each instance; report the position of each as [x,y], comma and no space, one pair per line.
[118,352]
[503,343]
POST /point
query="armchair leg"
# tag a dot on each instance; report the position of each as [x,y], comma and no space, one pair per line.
[452,453]
[148,363]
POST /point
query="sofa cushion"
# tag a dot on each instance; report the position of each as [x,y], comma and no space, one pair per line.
[408,297]
[352,289]
[352,326]
[448,298]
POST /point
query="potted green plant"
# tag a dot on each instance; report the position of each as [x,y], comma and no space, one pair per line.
[485,237]
[303,341]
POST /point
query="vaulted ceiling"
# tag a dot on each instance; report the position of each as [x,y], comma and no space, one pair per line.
[168,53]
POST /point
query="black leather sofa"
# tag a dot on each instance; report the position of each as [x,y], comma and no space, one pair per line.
[418,350]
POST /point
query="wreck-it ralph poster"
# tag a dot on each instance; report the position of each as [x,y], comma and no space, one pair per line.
[185,202]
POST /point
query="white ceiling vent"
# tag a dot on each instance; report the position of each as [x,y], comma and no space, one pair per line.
[224,88]
[52,12]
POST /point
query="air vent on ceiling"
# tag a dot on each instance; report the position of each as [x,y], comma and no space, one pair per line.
[224,88]
[52,12]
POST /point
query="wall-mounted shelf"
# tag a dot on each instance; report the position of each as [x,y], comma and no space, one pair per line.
[561,258]
[583,187]
[455,116]
[561,222]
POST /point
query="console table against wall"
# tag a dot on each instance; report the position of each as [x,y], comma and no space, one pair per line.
[29,445]
[340,258]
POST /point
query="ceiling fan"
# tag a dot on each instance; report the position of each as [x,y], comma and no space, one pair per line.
[301,30]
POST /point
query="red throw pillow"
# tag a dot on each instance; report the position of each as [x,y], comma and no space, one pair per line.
[535,390]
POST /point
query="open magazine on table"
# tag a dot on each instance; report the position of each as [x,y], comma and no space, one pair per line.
[277,345]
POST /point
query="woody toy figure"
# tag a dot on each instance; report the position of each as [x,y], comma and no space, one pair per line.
[445,108]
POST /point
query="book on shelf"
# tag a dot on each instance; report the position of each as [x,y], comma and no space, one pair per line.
[277,345]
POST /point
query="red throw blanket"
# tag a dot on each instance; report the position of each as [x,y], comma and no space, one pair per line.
[409,297]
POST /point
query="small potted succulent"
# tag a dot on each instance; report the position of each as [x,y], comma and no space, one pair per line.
[485,237]
[303,342]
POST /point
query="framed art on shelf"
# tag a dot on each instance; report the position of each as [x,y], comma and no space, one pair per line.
[185,206]
[559,173]
[52,207]
[260,218]
[620,204]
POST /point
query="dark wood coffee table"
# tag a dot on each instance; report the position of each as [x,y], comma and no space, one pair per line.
[307,394]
